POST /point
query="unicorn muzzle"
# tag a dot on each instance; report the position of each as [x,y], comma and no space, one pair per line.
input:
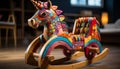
[31,22]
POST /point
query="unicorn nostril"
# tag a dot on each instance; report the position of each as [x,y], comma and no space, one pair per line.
[32,21]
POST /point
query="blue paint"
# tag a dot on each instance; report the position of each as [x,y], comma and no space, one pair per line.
[78,38]
[50,14]
[41,38]
[96,41]
[59,38]
[56,18]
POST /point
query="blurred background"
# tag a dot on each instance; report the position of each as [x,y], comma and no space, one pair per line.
[107,13]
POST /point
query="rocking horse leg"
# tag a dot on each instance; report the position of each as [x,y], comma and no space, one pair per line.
[47,61]
[29,53]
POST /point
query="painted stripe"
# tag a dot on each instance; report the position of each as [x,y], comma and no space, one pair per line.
[59,38]
[96,41]
[55,44]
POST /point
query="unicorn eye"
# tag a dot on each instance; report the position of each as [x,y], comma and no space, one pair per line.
[43,14]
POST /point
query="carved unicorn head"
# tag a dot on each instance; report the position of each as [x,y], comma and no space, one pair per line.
[49,16]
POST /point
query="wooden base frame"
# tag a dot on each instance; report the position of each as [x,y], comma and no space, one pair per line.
[49,64]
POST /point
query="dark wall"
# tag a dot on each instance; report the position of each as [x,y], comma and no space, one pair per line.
[113,9]
[116,9]
[110,6]
[67,8]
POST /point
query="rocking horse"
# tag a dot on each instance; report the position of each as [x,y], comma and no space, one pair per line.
[83,41]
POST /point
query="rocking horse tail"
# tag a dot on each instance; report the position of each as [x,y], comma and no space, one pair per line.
[54,42]
[32,48]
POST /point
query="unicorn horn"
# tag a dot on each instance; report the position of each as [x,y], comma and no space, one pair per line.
[36,4]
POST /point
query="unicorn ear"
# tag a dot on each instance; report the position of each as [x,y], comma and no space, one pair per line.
[45,4]
[54,7]
[59,12]
[49,4]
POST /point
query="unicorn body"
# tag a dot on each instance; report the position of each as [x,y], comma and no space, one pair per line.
[50,17]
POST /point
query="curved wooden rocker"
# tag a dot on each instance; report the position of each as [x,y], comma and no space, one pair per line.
[32,48]
[29,58]
[78,64]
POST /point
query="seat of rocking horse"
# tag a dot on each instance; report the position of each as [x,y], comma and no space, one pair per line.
[87,27]
[81,27]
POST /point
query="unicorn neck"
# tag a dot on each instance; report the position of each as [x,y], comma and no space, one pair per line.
[55,25]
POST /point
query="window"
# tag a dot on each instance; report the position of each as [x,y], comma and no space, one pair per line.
[87,3]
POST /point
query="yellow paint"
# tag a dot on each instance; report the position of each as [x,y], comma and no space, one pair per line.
[87,39]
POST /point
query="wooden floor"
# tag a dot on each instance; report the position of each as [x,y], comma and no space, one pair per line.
[11,58]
